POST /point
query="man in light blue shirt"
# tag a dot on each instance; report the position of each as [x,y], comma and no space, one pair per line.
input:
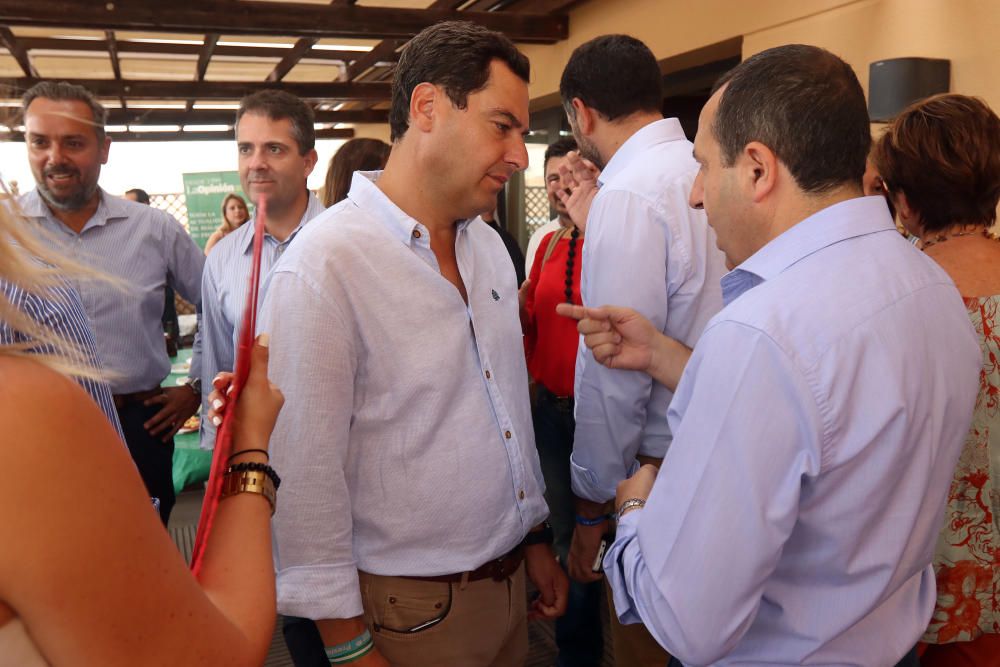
[819,418]
[646,248]
[144,248]
[275,140]
[412,507]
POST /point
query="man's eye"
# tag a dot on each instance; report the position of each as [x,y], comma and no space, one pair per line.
[503,127]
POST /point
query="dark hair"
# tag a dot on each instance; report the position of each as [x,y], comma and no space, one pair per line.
[141,195]
[455,55]
[616,75]
[943,153]
[279,105]
[65,91]
[806,105]
[355,155]
[558,148]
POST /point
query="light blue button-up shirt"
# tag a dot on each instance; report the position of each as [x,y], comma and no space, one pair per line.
[146,249]
[405,446]
[646,249]
[817,426]
[224,294]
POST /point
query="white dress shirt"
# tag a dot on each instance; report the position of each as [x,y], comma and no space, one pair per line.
[817,426]
[646,249]
[405,446]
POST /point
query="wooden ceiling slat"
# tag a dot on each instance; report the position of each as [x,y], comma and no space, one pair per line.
[225,90]
[17,50]
[292,58]
[126,46]
[272,18]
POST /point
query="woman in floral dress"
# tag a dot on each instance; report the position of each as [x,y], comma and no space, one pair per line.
[940,162]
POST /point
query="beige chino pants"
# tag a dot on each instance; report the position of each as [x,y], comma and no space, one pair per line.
[432,624]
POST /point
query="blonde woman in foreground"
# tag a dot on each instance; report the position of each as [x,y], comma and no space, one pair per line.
[88,576]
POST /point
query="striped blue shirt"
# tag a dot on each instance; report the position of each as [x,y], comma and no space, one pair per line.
[148,250]
[224,294]
[61,312]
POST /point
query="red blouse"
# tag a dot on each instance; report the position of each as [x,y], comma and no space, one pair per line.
[550,339]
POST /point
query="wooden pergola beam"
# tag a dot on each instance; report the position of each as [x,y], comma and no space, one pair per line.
[17,50]
[272,18]
[127,46]
[222,90]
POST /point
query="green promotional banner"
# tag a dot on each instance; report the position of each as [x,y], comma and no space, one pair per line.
[204,192]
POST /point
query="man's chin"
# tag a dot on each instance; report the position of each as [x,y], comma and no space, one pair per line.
[73,201]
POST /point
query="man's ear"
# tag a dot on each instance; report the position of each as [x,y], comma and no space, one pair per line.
[310,159]
[422,101]
[585,116]
[105,150]
[760,169]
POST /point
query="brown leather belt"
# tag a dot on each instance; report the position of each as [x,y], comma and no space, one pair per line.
[498,570]
[121,400]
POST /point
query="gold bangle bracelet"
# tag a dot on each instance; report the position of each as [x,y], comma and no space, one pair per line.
[249,481]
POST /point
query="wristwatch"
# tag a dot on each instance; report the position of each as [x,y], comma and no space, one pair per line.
[543,536]
[195,385]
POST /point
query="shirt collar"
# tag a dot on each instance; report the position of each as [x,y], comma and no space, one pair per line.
[108,208]
[844,220]
[657,132]
[369,198]
[313,208]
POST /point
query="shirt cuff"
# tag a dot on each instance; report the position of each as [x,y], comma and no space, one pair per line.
[624,548]
[586,483]
[319,592]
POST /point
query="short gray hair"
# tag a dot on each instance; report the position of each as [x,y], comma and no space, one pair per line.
[63,90]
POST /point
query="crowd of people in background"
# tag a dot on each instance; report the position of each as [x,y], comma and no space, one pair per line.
[722,397]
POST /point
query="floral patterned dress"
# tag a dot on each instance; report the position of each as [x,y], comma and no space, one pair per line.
[967,560]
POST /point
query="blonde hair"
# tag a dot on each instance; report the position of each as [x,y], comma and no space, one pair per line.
[27,264]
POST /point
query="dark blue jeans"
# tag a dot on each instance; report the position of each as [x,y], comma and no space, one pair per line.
[579,634]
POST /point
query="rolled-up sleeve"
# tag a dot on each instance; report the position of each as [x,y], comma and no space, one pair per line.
[624,264]
[313,362]
[692,565]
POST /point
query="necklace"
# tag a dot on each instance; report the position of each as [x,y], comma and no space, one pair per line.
[574,235]
[942,236]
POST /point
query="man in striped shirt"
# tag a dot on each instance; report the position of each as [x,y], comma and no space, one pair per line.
[144,248]
[61,312]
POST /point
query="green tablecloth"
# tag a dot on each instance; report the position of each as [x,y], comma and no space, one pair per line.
[191,463]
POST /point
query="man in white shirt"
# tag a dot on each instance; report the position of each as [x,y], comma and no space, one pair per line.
[647,248]
[412,502]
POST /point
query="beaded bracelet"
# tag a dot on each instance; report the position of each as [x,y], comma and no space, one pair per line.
[352,650]
[257,467]
[248,451]
[596,521]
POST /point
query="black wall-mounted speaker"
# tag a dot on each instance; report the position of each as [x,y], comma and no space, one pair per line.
[896,83]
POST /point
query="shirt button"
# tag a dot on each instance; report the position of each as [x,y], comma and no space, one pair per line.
[417,234]
[521,494]
[488,376]
[507,434]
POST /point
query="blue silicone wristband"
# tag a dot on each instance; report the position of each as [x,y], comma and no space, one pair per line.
[596,521]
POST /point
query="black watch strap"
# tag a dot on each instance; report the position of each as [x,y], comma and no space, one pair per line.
[543,536]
